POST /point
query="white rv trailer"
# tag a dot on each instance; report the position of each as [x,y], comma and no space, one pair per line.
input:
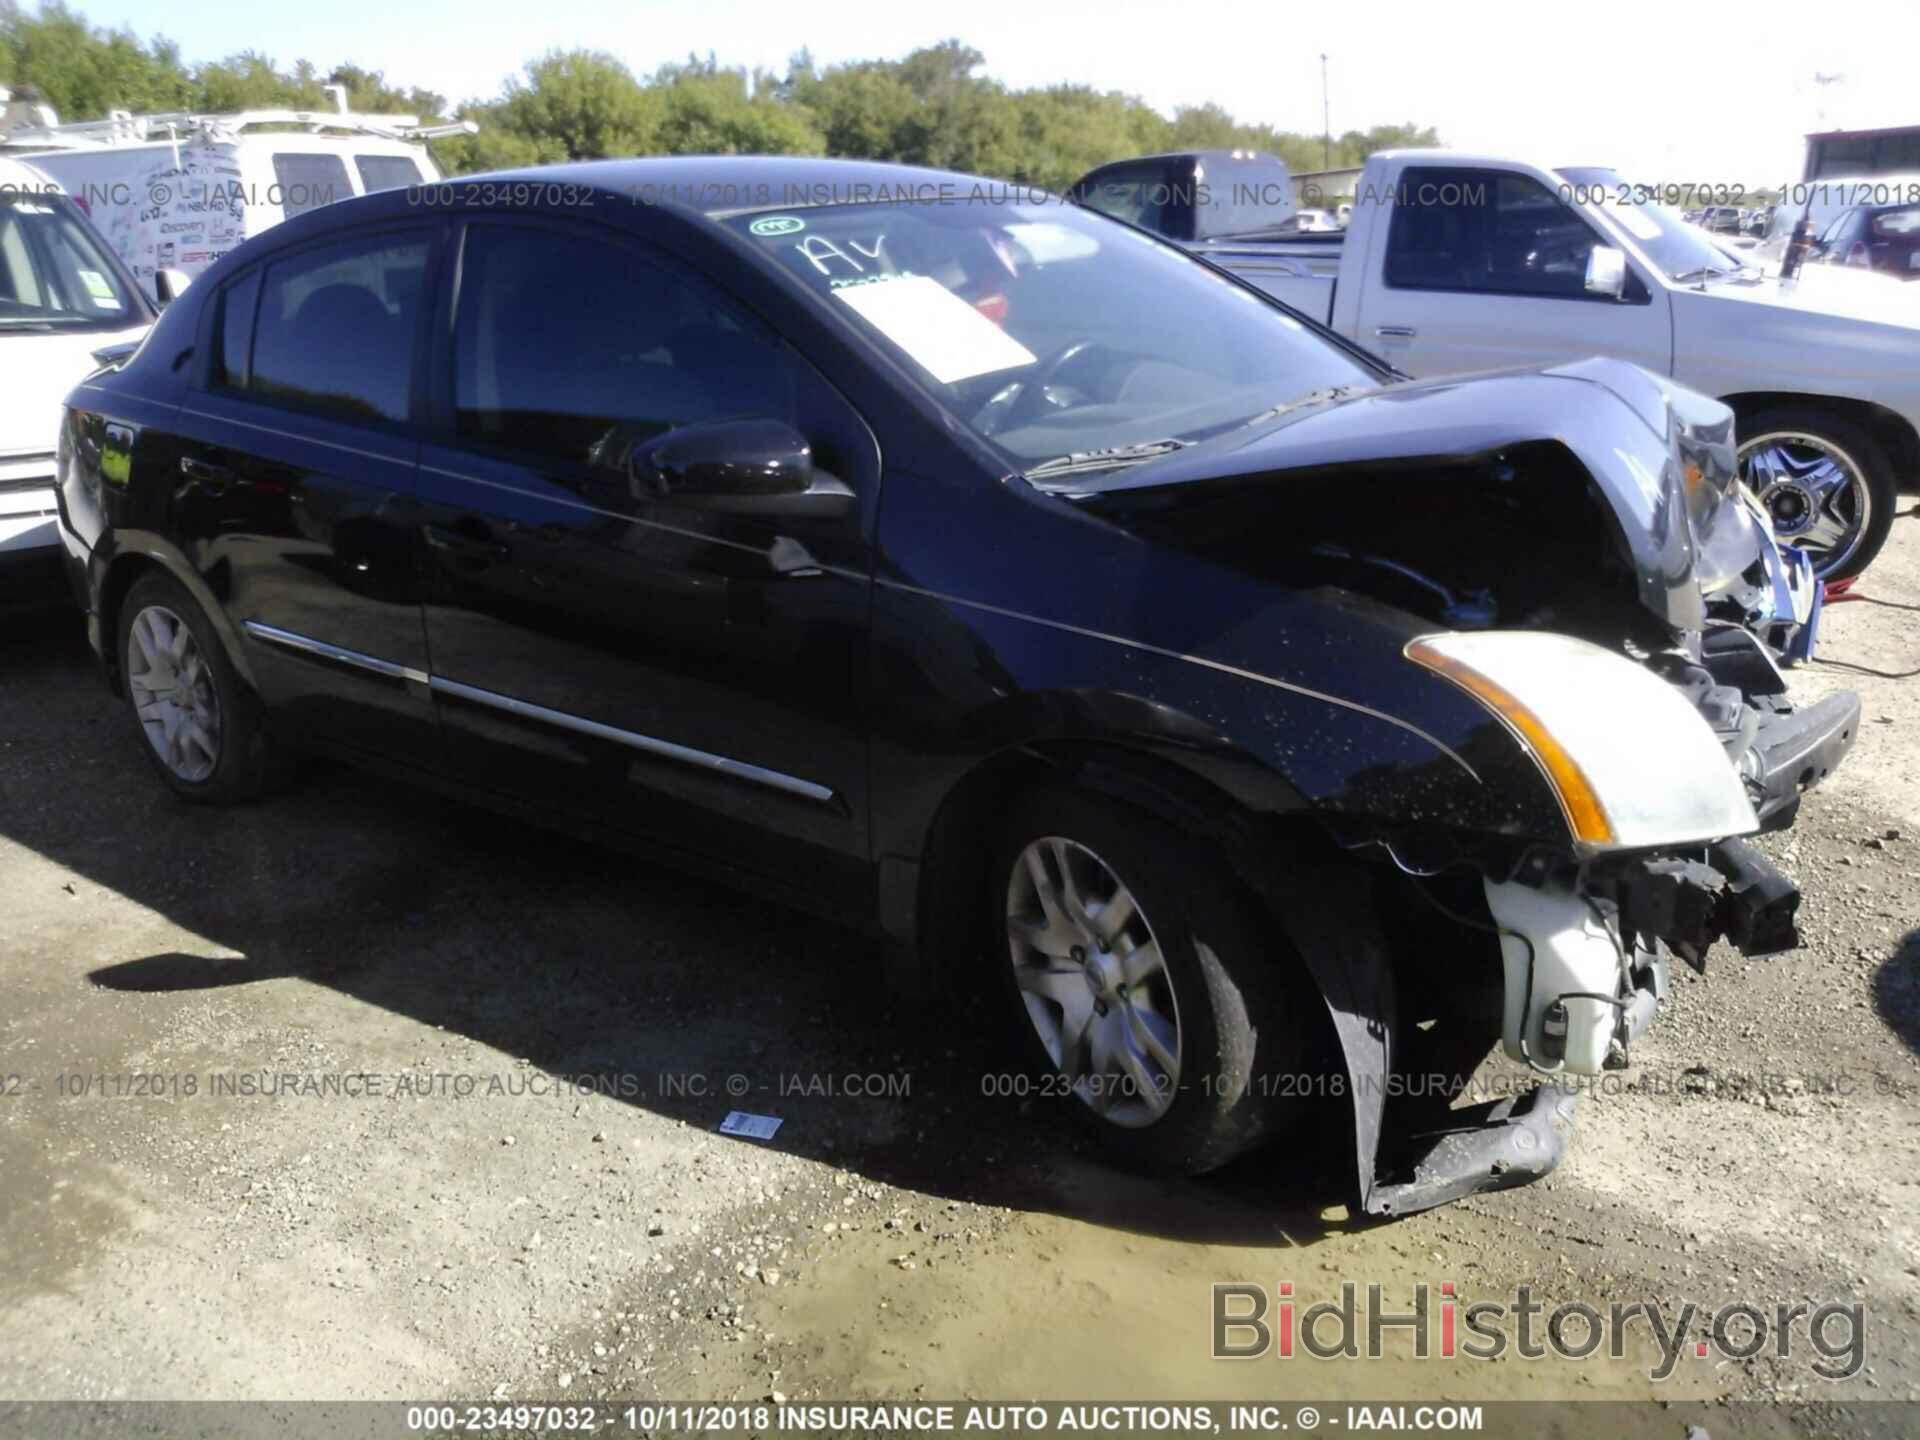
[177,191]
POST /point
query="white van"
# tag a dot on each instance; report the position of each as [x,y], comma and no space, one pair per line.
[63,295]
[177,191]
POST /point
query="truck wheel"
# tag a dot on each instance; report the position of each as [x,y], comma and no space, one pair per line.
[197,721]
[1151,1000]
[1825,482]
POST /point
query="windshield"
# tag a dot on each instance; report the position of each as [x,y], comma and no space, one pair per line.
[54,273]
[1667,240]
[1050,330]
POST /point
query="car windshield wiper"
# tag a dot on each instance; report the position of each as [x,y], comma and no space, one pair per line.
[1079,462]
[1704,272]
[1312,397]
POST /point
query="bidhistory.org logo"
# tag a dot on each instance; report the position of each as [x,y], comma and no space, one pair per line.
[1249,1324]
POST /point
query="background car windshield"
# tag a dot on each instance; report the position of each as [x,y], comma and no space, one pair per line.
[54,273]
[1661,234]
[1050,330]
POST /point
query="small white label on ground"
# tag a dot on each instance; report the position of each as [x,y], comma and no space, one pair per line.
[749,1126]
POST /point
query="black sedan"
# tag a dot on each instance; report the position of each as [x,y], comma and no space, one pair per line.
[1272,735]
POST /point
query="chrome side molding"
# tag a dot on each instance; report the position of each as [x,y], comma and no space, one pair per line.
[527,710]
[306,644]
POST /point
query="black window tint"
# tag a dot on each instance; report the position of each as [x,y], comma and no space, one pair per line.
[1488,231]
[236,331]
[386,172]
[564,342]
[309,181]
[336,327]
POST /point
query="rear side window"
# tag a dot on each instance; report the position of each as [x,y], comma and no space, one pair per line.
[386,172]
[337,325]
[309,181]
[1485,230]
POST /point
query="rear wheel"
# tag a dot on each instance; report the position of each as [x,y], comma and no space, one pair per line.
[1824,482]
[198,723]
[1150,999]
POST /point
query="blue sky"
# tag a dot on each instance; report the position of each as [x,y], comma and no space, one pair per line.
[1718,93]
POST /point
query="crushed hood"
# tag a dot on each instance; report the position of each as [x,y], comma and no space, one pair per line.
[1659,454]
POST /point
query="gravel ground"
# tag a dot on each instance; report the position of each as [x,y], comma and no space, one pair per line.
[523,1194]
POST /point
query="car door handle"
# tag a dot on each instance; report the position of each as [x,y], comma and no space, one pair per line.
[462,546]
[213,478]
[1394,332]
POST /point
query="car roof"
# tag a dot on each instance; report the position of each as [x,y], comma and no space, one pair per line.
[720,185]
[15,176]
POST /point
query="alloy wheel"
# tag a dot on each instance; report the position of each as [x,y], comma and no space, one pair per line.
[1094,981]
[1813,491]
[172,691]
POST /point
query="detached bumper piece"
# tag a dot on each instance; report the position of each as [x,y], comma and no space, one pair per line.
[1734,892]
[1795,750]
[1495,1146]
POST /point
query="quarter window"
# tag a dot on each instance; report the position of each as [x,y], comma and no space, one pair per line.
[1485,230]
[569,346]
[236,331]
[337,327]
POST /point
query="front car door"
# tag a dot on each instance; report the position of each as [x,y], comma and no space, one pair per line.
[297,476]
[609,651]
[1486,270]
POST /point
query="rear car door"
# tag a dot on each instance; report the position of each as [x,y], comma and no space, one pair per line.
[653,666]
[296,496]
[1486,270]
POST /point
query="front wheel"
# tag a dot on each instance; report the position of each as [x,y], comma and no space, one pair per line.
[1146,993]
[1824,482]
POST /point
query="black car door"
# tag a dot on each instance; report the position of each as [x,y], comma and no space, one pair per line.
[658,666]
[297,479]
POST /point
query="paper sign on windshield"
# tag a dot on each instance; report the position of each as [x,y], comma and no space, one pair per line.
[945,334]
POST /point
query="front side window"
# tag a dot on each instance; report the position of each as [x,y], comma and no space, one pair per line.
[1047,330]
[306,181]
[54,273]
[1486,230]
[337,325]
[567,345]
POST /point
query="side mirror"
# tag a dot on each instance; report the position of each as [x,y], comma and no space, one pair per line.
[170,285]
[737,467]
[1606,272]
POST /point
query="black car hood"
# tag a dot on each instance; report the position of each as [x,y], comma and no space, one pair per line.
[1659,454]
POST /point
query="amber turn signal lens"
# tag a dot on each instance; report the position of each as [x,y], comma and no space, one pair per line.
[1586,816]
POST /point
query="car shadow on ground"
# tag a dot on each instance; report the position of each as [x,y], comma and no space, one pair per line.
[1896,991]
[682,996]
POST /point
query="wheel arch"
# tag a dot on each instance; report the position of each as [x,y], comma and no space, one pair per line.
[1893,432]
[953,857]
[137,554]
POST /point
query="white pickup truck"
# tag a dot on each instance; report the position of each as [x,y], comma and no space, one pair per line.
[1458,262]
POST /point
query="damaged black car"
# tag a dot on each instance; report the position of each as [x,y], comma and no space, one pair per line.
[1266,734]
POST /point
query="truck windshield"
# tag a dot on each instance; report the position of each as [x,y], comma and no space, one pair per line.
[1667,240]
[1049,330]
[54,273]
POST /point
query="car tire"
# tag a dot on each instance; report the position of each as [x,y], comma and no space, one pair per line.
[1854,447]
[1225,1001]
[197,722]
